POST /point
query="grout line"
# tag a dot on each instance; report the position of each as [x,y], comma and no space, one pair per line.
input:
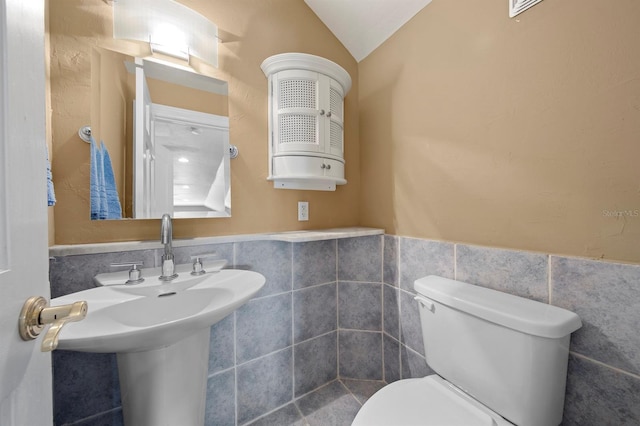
[382,258]
[320,387]
[359,282]
[398,282]
[337,249]
[270,295]
[225,370]
[413,350]
[234,257]
[265,355]
[337,311]
[338,287]
[295,290]
[407,291]
[268,413]
[292,265]
[350,392]
[293,327]
[382,357]
[315,390]
[360,380]
[549,286]
[607,366]
[382,263]
[337,259]
[338,329]
[293,352]
[316,337]
[455,261]
[391,337]
[300,412]
[234,254]
[235,366]
[399,263]
[360,330]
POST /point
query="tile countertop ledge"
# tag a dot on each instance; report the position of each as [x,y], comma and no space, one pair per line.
[290,236]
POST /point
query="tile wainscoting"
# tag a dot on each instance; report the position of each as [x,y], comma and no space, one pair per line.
[274,350]
[603,384]
[340,305]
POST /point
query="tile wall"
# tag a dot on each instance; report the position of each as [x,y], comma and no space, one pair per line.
[344,308]
[278,347]
[603,384]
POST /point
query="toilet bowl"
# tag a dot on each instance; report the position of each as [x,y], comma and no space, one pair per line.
[499,360]
[429,400]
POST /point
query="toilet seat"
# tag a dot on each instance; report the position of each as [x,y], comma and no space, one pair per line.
[429,400]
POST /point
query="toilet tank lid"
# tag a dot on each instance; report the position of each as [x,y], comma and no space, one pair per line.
[524,315]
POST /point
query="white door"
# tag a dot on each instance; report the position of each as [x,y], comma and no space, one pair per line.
[25,371]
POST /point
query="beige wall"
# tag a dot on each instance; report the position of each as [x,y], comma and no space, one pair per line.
[250,31]
[473,127]
[111,100]
[164,93]
[519,133]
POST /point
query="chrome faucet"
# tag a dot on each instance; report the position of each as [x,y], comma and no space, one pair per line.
[168,266]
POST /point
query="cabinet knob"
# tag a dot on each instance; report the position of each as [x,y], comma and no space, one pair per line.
[323,166]
[321,112]
[328,166]
[329,114]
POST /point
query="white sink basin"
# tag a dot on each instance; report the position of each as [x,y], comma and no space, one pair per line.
[153,314]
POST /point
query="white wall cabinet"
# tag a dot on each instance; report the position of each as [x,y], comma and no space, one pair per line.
[306,121]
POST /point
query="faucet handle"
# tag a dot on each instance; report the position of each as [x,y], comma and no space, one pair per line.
[135,274]
[198,268]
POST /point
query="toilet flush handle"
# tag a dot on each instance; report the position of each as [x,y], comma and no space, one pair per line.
[426,303]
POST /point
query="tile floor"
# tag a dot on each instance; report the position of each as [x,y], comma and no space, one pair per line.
[334,404]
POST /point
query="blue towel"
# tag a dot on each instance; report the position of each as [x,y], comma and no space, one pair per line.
[51,194]
[97,211]
[111,199]
[105,203]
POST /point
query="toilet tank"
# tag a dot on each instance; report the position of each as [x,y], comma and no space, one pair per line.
[508,352]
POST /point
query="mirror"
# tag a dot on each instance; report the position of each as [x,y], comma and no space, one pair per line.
[166,128]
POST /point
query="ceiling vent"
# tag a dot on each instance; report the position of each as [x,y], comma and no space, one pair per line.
[519,6]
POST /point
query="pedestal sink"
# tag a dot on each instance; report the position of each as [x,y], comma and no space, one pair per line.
[160,332]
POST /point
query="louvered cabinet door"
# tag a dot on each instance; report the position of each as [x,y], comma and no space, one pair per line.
[308,114]
[306,121]
[297,126]
[334,127]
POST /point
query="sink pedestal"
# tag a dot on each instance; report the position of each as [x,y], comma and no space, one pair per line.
[166,386]
[162,364]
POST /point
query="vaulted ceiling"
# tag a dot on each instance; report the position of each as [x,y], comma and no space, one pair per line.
[363,25]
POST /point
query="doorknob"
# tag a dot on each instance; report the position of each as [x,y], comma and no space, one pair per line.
[35,315]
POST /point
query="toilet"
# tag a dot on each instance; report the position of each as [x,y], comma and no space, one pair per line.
[499,360]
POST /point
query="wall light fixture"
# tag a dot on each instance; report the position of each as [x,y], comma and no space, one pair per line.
[169,27]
